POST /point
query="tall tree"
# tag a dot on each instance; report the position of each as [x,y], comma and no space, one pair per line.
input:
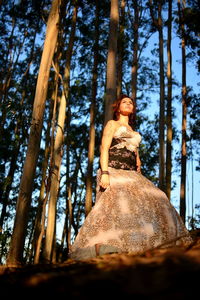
[42,199]
[15,255]
[111,91]
[120,47]
[58,147]
[169,103]
[134,71]
[181,6]
[91,146]
[158,23]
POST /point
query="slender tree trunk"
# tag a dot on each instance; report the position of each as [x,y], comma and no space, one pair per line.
[71,189]
[169,105]
[41,230]
[91,146]
[61,247]
[162,104]
[15,255]
[192,223]
[55,181]
[134,71]
[48,158]
[29,249]
[184,120]
[46,180]
[158,24]
[41,199]
[70,218]
[111,91]
[68,214]
[121,48]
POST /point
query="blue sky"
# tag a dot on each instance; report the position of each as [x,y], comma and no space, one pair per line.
[193,176]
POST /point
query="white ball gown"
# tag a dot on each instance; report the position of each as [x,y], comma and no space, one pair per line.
[132,215]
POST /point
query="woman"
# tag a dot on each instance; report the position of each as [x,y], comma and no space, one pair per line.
[130,214]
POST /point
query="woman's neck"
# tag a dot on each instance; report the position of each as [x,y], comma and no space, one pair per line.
[123,120]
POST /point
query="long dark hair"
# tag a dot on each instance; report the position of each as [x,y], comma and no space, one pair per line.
[116,105]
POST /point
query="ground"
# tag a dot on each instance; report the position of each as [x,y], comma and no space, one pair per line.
[171,273]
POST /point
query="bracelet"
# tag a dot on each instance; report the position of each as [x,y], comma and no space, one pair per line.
[104,172]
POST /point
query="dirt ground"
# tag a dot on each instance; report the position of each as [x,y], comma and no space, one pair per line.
[172,273]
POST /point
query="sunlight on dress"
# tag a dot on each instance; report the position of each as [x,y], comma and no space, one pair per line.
[132,215]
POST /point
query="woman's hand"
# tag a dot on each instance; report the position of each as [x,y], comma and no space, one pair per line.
[105,181]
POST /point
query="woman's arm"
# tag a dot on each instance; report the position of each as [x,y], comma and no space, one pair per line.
[106,141]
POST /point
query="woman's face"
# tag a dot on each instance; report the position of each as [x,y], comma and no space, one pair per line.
[126,106]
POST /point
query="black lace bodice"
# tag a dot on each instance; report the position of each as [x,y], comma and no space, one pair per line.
[122,153]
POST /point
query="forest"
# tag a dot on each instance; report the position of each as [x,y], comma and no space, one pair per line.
[63,63]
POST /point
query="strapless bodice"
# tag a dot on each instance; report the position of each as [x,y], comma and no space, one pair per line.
[123,149]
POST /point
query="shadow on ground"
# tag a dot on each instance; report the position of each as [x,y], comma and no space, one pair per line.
[171,273]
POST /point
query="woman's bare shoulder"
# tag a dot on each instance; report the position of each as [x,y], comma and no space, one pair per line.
[112,124]
[110,128]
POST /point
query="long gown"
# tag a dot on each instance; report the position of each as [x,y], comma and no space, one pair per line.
[132,215]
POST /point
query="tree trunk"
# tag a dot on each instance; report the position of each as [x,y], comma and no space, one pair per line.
[184,120]
[68,212]
[162,104]
[134,71]
[48,158]
[70,218]
[55,181]
[15,255]
[121,49]
[158,24]
[91,146]
[169,105]
[111,92]
[41,207]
